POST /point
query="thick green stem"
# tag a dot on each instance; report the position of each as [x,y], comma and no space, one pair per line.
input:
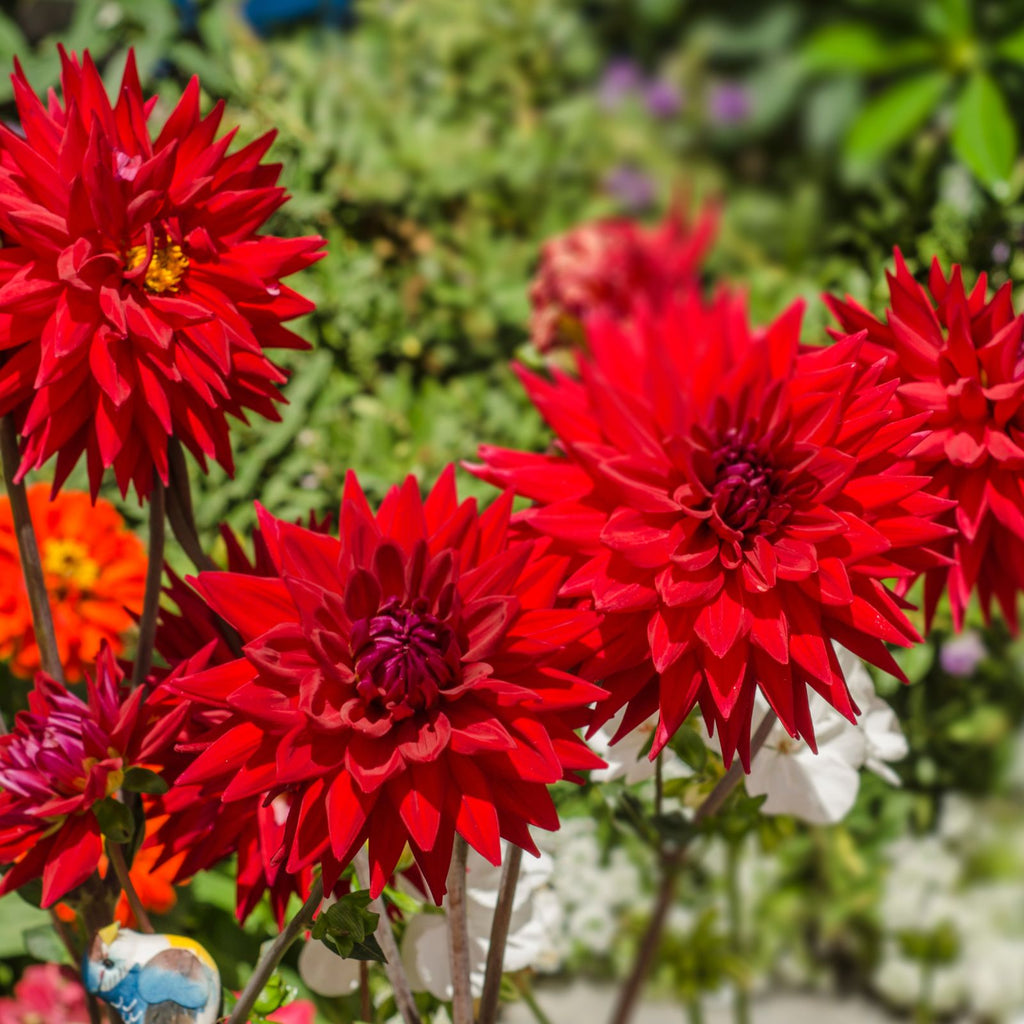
[269,961]
[115,854]
[458,936]
[499,935]
[28,548]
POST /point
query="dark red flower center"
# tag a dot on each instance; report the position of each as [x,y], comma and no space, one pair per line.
[403,658]
[742,493]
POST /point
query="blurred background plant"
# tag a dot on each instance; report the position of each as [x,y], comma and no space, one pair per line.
[437,144]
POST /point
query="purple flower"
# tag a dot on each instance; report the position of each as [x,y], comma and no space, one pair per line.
[962,655]
[663,99]
[621,78]
[729,103]
[634,189]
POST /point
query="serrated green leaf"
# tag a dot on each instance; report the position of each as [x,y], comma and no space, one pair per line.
[142,780]
[115,820]
[984,134]
[891,117]
[852,46]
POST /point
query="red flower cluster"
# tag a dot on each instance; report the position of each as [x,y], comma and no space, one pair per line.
[138,294]
[957,357]
[732,504]
[63,757]
[402,683]
[601,268]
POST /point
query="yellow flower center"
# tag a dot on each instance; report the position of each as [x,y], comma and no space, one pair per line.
[166,267]
[69,561]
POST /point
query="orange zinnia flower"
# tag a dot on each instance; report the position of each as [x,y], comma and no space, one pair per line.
[95,572]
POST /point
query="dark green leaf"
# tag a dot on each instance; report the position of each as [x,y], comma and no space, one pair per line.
[984,135]
[690,748]
[115,820]
[142,780]
[347,927]
[891,117]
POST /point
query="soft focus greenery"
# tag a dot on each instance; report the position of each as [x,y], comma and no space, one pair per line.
[435,144]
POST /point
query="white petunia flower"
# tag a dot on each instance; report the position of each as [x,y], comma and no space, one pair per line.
[531,935]
[627,759]
[821,788]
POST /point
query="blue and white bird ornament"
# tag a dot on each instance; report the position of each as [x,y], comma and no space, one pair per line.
[153,979]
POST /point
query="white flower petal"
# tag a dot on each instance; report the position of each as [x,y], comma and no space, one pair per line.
[326,973]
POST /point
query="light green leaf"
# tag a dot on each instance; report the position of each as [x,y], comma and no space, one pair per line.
[984,135]
[851,46]
[1012,48]
[892,116]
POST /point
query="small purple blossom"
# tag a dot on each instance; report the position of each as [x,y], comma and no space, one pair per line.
[621,78]
[663,98]
[729,103]
[962,655]
[634,189]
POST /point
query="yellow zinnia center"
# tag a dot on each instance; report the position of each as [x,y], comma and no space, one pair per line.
[166,267]
[69,561]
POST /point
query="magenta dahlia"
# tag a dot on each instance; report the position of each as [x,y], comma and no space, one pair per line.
[401,683]
[64,756]
[138,293]
[957,357]
[733,504]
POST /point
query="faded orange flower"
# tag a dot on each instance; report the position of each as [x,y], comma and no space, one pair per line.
[95,570]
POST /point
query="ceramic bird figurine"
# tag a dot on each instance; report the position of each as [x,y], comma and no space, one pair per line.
[153,979]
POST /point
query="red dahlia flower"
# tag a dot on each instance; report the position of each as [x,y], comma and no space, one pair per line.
[63,757]
[199,830]
[404,682]
[603,267]
[138,293]
[958,358]
[733,504]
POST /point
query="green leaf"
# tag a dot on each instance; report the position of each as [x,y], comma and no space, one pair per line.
[891,117]
[347,928]
[115,820]
[17,918]
[852,46]
[44,944]
[142,780]
[1012,48]
[690,748]
[984,135]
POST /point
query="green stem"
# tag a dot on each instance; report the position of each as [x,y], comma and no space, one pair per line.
[115,854]
[458,935]
[526,991]
[695,1010]
[671,864]
[154,581]
[28,548]
[499,935]
[740,998]
[269,961]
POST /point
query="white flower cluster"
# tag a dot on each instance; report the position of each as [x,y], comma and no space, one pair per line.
[929,891]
